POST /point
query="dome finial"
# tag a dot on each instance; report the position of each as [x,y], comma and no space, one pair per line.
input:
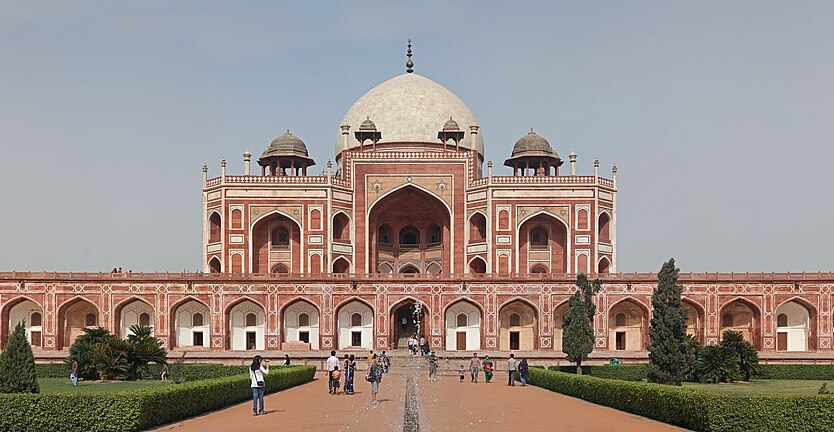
[409,64]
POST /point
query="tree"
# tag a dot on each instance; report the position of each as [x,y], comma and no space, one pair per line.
[587,291]
[578,339]
[669,358]
[82,347]
[716,363]
[747,357]
[144,349]
[110,358]
[17,364]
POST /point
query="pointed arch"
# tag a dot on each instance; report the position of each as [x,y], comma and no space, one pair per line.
[6,315]
[477,227]
[603,265]
[123,324]
[259,244]
[341,226]
[72,315]
[350,335]
[182,332]
[409,185]
[239,334]
[750,326]
[800,332]
[404,308]
[604,227]
[214,265]
[341,265]
[295,333]
[698,327]
[523,334]
[460,335]
[477,265]
[558,242]
[215,226]
[630,333]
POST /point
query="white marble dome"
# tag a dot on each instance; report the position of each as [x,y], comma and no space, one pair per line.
[409,108]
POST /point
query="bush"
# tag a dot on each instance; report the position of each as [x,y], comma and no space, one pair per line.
[137,410]
[635,372]
[190,371]
[696,410]
[795,371]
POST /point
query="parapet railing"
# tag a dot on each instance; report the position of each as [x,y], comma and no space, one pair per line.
[498,180]
[402,277]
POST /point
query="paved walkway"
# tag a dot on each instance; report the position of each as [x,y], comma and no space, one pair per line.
[444,406]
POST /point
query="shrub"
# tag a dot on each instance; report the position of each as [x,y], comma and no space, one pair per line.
[696,410]
[17,364]
[797,371]
[716,363]
[632,372]
[137,410]
[747,356]
[82,347]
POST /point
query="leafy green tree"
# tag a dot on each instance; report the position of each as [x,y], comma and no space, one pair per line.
[17,364]
[587,290]
[578,339]
[178,370]
[110,359]
[82,347]
[144,349]
[669,359]
[716,363]
[693,346]
[747,356]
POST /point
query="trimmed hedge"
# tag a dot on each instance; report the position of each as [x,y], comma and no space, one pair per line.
[191,371]
[693,409]
[632,372]
[797,371]
[142,409]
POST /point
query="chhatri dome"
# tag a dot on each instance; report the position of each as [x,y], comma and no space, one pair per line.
[410,108]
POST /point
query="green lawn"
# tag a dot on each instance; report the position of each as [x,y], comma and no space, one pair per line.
[63,385]
[764,386]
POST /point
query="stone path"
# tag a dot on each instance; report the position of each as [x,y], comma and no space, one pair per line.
[443,406]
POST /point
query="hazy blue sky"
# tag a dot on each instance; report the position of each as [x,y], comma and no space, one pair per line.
[720,115]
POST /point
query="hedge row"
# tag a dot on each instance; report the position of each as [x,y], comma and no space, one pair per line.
[632,372]
[191,371]
[138,410]
[693,409]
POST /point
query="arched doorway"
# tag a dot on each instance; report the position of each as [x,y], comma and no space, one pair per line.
[742,316]
[134,313]
[517,330]
[543,243]
[356,326]
[463,326]
[409,226]
[477,265]
[408,318]
[214,265]
[795,327]
[559,325]
[341,265]
[603,266]
[190,326]
[28,312]
[628,323]
[245,326]
[276,239]
[301,326]
[73,317]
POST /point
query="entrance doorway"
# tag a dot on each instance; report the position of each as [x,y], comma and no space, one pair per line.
[304,336]
[250,340]
[515,338]
[407,322]
[460,344]
[356,338]
[621,341]
[782,341]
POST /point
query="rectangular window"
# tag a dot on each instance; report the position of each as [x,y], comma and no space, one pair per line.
[250,340]
[198,338]
[356,338]
[304,336]
[36,339]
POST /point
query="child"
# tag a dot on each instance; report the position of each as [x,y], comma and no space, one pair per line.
[335,375]
[462,373]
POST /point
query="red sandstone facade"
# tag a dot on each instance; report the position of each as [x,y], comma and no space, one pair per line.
[408,229]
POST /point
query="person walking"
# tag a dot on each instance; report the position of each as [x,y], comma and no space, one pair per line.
[474,366]
[523,371]
[386,362]
[488,369]
[350,371]
[74,373]
[331,364]
[286,359]
[256,376]
[375,378]
[511,367]
[432,367]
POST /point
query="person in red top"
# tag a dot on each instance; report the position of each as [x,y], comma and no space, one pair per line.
[474,367]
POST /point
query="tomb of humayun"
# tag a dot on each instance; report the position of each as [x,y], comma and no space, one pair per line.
[409,226]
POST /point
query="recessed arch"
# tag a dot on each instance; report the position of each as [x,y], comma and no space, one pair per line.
[341,265]
[604,227]
[409,185]
[603,265]
[13,311]
[350,335]
[556,252]
[559,314]
[632,333]
[72,317]
[215,266]
[341,226]
[239,334]
[747,322]
[477,265]
[696,326]
[127,313]
[477,227]
[181,334]
[463,336]
[260,233]
[215,226]
[521,334]
[409,269]
[404,308]
[798,332]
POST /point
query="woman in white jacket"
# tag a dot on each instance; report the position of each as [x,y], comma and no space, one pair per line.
[259,368]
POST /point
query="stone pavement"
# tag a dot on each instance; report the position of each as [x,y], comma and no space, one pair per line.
[443,406]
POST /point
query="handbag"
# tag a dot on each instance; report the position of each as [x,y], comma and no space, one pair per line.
[260,383]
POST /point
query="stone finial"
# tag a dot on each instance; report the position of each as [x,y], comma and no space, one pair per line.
[409,65]
[596,167]
[345,128]
[223,163]
[572,157]
[247,157]
[205,168]
[596,163]
[489,168]
[329,169]
[614,169]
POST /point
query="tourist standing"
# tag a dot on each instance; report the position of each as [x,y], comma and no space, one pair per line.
[371,357]
[286,359]
[432,367]
[335,375]
[331,364]
[511,366]
[488,369]
[256,377]
[474,366]
[74,373]
[423,351]
[523,371]
[350,370]
[164,375]
[375,377]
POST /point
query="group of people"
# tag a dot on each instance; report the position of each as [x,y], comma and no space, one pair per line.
[514,367]
[378,365]
[416,346]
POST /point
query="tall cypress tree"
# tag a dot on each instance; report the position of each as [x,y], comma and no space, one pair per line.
[578,339]
[669,358]
[587,290]
[17,364]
